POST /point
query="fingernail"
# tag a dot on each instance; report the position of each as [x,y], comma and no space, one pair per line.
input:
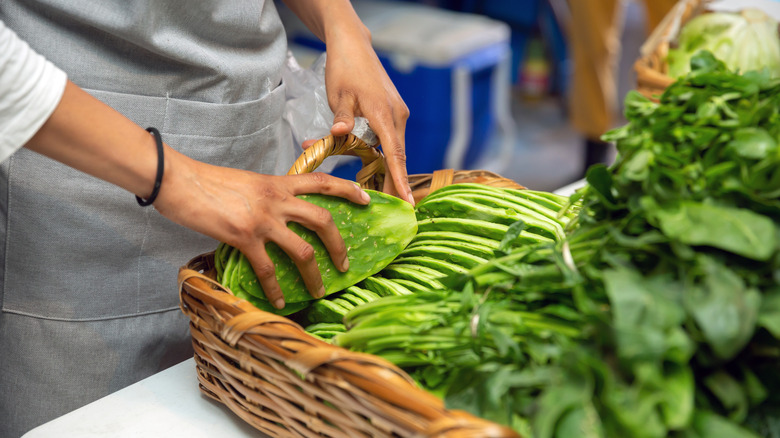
[345,265]
[339,125]
[320,293]
[279,304]
[410,198]
[366,197]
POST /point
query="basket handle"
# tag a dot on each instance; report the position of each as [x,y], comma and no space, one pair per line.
[371,176]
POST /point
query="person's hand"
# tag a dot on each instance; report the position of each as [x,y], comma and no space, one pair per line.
[357,85]
[247,210]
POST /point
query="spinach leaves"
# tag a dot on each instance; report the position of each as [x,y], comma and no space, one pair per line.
[687,327]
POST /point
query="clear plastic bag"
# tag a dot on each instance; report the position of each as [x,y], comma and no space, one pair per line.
[306,110]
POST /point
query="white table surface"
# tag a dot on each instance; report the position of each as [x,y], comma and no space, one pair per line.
[168,404]
[569,190]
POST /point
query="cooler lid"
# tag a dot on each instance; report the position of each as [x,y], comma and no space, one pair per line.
[428,34]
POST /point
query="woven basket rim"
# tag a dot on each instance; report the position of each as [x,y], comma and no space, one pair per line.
[651,67]
[261,365]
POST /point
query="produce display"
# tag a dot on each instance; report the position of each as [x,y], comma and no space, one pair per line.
[374,234]
[647,305]
[744,41]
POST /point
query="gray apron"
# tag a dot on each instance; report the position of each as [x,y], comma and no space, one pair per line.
[87,277]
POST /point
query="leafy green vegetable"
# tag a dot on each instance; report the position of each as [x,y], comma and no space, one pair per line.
[687,264]
[732,229]
[656,313]
[745,41]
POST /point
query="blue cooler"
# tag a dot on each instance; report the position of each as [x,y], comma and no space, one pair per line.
[452,70]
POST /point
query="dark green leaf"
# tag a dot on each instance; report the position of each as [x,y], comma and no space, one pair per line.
[710,425]
[724,308]
[738,230]
[769,315]
[729,393]
[600,181]
[514,231]
[646,312]
[678,396]
[755,143]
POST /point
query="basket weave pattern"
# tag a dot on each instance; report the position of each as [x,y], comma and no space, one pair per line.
[651,67]
[422,184]
[285,382]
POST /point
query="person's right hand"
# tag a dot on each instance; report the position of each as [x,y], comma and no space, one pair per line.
[247,210]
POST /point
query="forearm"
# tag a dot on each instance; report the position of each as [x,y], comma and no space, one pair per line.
[330,20]
[90,136]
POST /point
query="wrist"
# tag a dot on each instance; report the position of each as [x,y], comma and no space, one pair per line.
[160,172]
[330,20]
[180,175]
[342,24]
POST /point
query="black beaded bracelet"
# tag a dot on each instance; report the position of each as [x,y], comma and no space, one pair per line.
[160,168]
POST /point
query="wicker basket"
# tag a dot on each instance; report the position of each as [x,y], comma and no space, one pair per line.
[651,67]
[287,383]
[372,174]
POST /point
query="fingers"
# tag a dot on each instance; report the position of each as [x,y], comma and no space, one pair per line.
[392,137]
[321,222]
[266,274]
[328,185]
[307,144]
[302,254]
[390,127]
[358,85]
[344,115]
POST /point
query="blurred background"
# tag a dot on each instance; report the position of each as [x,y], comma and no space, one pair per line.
[519,87]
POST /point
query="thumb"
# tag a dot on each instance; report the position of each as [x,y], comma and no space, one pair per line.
[343,120]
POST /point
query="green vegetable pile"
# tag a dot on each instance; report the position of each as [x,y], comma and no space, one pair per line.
[655,313]
[459,227]
[689,261]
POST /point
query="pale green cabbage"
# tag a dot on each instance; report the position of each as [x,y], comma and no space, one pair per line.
[744,41]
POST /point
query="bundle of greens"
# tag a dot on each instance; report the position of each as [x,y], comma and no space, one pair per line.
[688,266]
[484,342]
[459,226]
[657,314]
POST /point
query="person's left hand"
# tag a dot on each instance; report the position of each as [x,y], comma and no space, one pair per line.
[357,85]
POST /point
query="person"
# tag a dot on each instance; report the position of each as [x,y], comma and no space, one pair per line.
[594,40]
[88,277]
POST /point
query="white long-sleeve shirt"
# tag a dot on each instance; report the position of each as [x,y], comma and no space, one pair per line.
[30,89]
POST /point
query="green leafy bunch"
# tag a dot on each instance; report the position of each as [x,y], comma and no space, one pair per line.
[487,343]
[657,314]
[684,285]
